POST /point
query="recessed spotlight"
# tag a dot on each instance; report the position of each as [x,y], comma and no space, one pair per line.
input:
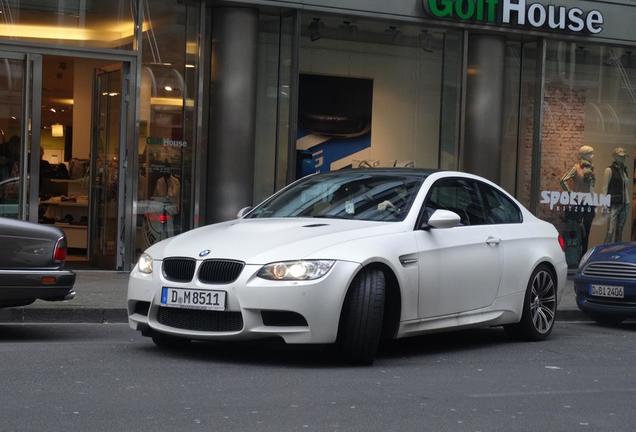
[168,88]
[52,110]
[190,66]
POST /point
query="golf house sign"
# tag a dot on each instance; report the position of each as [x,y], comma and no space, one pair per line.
[518,13]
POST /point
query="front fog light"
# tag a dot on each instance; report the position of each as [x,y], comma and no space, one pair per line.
[296,270]
[145,263]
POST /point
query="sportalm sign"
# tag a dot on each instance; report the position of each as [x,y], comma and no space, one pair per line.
[518,13]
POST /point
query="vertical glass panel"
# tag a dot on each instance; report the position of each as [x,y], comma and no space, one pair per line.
[84,23]
[267,101]
[369,96]
[510,123]
[105,172]
[285,91]
[588,151]
[167,121]
[526,122]
[11,86]
[451,100]
[272,104]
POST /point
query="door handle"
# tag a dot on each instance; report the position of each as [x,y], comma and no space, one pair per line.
[492,241]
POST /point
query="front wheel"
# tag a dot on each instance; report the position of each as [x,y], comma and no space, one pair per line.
[361,319]
[539,307]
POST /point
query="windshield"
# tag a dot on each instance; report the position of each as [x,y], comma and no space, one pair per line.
[350,195]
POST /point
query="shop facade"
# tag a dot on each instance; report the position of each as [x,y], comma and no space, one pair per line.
[178,114]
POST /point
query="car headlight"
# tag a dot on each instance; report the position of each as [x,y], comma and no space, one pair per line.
[296,270]
[586,258]
[145,263]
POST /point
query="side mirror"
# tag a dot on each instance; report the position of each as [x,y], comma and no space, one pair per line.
[242,212]
[444,219]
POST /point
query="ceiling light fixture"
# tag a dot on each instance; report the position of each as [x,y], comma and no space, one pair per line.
[57,130]
[168,88]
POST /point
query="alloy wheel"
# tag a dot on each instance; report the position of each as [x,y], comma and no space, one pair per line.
[543,301]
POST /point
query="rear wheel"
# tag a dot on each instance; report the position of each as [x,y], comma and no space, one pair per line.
[361,320]
[168,341]
[539,307]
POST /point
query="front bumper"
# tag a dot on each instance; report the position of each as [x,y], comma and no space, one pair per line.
[319,302]
[623,308]
[51,285]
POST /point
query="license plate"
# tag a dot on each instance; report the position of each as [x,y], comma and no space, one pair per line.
[193,299]
[608,291]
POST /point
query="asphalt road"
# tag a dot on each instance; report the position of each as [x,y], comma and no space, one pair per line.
[101,377]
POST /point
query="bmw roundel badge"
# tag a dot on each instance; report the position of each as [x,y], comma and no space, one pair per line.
[204,253]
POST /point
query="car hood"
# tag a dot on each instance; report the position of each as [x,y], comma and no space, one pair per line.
[625,252]
[261,241]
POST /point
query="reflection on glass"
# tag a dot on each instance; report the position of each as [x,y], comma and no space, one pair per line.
[167,121]
[90,23]
[402,63]
[11,83]
[347,195]
[589,131]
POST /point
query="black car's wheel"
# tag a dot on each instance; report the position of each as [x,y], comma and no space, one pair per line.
[607,320]
[168,341]
[539,307]
[361,320]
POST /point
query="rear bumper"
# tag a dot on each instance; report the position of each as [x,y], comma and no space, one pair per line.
[51,285]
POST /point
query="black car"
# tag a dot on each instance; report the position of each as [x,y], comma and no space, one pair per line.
[32,264]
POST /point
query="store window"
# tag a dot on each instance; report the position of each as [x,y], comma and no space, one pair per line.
[588,144]
[370,95]
[167,121]
[86,23]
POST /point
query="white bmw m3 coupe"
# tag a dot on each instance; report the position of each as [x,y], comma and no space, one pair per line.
[352,257]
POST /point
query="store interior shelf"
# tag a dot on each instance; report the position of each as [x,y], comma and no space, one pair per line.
[65,203]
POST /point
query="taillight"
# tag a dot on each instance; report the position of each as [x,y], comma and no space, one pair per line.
[60,252]
[562,242]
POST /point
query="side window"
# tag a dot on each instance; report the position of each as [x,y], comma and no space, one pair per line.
[459,196]
[499,208]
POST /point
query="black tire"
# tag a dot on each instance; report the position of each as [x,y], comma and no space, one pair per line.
[607,320]
[168,341]
[360,326]
[539,307]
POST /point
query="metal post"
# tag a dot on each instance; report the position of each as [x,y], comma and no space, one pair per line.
[484,106]
[232,112]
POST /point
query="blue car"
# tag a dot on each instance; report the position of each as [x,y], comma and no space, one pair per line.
[605,283]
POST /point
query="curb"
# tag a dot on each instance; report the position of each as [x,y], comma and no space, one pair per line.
[115,315]
[63,315]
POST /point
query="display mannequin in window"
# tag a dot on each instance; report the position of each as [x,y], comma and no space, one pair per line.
[581,178]
[617,185]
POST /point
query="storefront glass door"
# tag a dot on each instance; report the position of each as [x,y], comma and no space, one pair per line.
[106,156]
[17,92]
[12,71]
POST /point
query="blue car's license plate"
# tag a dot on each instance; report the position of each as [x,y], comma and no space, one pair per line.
[607,291]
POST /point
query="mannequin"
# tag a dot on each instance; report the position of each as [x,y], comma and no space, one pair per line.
[617,185]
[581,178]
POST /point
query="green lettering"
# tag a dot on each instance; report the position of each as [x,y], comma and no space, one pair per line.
[480,10]
[441,8]
[465,12]
[492,10]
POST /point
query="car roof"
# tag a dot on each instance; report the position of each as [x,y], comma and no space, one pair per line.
[391,171]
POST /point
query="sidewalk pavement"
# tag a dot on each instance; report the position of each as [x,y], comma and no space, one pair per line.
[101,298]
